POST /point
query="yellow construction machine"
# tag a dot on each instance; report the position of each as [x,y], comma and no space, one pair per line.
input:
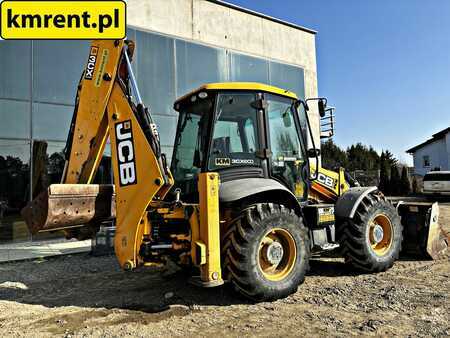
[240,203]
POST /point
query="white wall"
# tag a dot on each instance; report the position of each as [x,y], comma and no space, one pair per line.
[447,140]
[439,153]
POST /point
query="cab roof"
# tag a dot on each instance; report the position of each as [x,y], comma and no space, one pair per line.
[250,86]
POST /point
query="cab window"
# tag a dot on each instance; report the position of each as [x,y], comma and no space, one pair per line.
[234,141]
[285,144]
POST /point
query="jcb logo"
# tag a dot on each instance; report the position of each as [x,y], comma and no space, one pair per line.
[90,67]
[325,180]
[125,153]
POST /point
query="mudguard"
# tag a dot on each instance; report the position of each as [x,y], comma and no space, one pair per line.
[347,203]
[238,189]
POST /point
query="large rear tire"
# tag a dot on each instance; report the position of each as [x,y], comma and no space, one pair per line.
[372,240]
[267,251]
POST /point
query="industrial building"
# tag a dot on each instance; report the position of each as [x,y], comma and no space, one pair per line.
[181,44]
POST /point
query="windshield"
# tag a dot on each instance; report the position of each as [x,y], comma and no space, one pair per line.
[234,141]
[443,176]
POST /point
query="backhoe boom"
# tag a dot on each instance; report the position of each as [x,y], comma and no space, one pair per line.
[105,109]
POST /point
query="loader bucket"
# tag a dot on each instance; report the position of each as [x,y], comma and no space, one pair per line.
[64,206]
[426,228]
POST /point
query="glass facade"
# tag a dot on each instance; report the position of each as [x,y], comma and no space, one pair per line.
[14,188]
[248,69]
[37,92]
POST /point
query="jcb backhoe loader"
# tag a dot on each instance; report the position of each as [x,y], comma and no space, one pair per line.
[240,201]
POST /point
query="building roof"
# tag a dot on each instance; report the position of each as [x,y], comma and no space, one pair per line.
[438,136]
[264,16]
[254,86]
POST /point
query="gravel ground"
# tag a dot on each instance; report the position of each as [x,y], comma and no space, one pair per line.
[83,296]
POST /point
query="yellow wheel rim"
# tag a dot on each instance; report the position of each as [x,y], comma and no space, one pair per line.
[381,234]
[277,254]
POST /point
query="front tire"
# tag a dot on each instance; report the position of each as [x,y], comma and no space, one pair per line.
[267,251]
[371,241]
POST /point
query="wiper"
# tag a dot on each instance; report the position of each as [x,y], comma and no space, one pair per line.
[186,119]
[295,111]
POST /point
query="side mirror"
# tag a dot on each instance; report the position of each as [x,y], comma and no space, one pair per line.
[321,103]
[313,153]
[322,107]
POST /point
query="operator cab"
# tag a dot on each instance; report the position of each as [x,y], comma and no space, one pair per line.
[241,130]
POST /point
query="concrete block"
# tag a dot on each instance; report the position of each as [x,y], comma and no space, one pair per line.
[227,27]
[289,44]
[34,250]
[211,23]
[246,33]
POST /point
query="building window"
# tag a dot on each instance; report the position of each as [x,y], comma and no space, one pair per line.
[426,161]
[249,69]
[198,64]
[14,189]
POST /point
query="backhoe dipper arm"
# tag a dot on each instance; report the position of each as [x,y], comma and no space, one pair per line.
[104,108]
[107,65]
[89,128]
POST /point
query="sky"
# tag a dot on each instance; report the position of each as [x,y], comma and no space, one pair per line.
[384,65]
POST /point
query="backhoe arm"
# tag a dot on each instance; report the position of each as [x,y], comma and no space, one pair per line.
[105,108]
[89,129]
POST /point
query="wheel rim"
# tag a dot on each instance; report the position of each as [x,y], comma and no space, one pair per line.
[277,254]
[381,234]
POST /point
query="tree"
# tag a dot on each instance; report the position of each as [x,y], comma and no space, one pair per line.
[333,156]
[356,154]
[374,159]
[415,186]
[384,180]
[389,158]
[394,183]
[384,166]
[405,185]
[361,157]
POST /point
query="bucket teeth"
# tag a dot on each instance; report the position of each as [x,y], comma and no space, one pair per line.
[64,206]
[35,213]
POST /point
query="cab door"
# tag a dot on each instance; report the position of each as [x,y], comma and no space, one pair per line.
[287,161]
[235,143]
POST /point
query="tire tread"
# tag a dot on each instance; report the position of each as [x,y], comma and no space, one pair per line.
[352,238]
[236,248]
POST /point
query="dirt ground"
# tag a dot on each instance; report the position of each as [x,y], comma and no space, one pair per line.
[81,296]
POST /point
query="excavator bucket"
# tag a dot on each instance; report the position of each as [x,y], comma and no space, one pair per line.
[64,206]
[426,228]
[438,234]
